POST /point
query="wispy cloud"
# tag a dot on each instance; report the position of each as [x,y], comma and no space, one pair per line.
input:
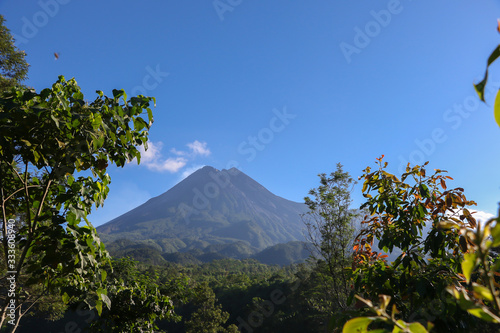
[153,159]
[199,148]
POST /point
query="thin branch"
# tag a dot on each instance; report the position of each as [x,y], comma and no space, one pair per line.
[31,231]
[18,190]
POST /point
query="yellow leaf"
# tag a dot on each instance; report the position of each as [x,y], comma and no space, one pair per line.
[496,108]
[357,325]
[483,292]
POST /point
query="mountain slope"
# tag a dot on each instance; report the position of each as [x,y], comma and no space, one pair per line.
[284,254]
[207,208]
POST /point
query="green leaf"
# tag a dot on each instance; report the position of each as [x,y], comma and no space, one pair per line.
[358,325]
[417,328]
[90,244]
[468,265]
[98,306]
[150,116]
[481,85]
[481,313]
[65,298]
[56,121]
[104,274]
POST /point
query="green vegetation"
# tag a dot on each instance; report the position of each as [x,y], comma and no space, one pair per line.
[242,213]
[55,149]
[54,152]
[13,66]
[330,226]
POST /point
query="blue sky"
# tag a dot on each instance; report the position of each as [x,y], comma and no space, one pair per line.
[283,90]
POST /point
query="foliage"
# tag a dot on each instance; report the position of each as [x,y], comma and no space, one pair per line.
[481,86]
[13,66]
[361,324]
[407,214]
[137,299]
[330,229]
[54,152]
[479,292]
[208,317]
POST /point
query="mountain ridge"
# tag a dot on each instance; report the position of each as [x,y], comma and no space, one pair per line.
[210,207]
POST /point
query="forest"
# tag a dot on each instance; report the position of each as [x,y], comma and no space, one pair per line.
[56,274]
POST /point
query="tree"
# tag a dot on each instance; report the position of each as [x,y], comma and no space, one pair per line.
[137,300]
[13,66]
[209,317]
[54,152]
[330,229]
[410,214]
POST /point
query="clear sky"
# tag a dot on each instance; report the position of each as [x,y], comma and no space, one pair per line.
[283,90]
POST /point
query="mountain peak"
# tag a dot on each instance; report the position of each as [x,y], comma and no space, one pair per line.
[211,206]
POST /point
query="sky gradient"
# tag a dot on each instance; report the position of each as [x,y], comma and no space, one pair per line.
[282,90]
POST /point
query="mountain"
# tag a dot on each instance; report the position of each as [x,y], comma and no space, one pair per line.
[284,254]
[211,208]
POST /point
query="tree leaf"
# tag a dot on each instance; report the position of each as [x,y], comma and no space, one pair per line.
[417,328]
[481,85]
[98,306]
[483,292]
[358,325]
[483,314]
[468,265]
[496,108]
[106,300]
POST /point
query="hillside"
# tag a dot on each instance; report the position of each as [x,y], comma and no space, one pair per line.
[211,208]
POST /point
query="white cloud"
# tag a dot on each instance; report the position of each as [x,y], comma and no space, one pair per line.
[199,148]
[480,216]
[170,164]
[178,152]
[152,154]
[153,159]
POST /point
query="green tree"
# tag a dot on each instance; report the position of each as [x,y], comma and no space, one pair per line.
[54,152]
[209,317]
[408,214]
[137,299]
[479,292]
[13,66]
[330,229]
